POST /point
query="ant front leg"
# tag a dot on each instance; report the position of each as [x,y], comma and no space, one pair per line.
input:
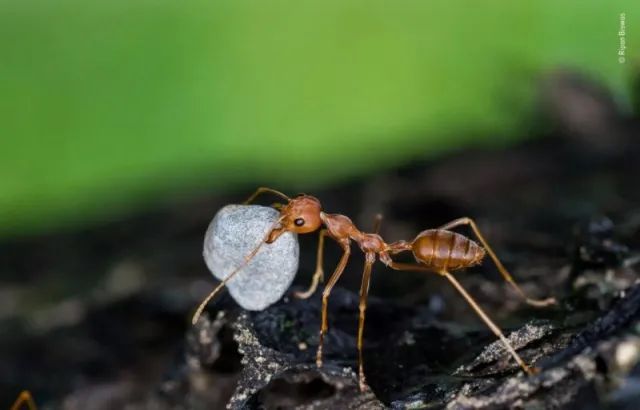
[24,398]
[318,275]
[325,297]
[503,271]
[263,190]
[370,258]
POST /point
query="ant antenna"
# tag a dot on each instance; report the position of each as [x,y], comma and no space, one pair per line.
[247,259]
[263,190]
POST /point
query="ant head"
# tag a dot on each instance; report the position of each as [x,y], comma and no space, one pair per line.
[300,215]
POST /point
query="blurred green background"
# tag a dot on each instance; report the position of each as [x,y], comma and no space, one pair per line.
[108,106]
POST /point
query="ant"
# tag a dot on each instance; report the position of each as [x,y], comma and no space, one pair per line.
[437,251]
[24,398]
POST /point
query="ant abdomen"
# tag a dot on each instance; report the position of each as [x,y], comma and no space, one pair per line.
[446,250]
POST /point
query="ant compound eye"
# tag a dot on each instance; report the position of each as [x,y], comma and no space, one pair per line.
[299,222]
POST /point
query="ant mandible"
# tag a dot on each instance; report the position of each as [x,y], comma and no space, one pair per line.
[437,251]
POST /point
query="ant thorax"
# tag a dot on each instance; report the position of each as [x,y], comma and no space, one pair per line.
[371,242]
[339,226]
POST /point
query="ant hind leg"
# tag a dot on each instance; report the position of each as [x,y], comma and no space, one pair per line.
[503,271]
[485,318]
[494,328]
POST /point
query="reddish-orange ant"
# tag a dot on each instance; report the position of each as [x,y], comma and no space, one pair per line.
[24,398]
[436,251]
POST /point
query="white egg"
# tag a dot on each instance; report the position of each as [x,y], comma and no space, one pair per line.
[234,233]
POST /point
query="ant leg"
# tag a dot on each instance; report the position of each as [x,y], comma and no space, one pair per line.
[494,328]
[503,271]
[318,275]
[262,190]
[364,292]
[325,298]
[377,222]
[24,398]
[488,321]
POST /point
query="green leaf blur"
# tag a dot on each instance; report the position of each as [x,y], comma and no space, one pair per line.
[109,105]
